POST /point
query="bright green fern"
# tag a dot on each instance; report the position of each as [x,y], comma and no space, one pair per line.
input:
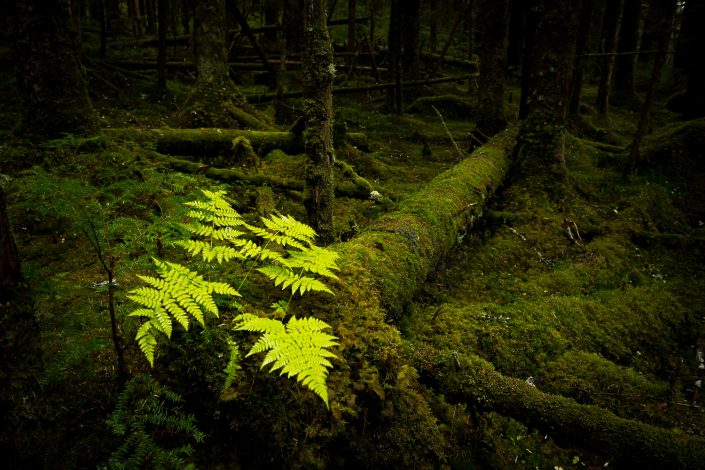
[286,253]
[299,349]
[178,293]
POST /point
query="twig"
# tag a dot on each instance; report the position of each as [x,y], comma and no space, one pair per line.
[457,149]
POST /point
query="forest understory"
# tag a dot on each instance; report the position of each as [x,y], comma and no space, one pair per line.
[481,322]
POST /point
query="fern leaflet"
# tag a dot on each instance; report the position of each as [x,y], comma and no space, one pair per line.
[299,349]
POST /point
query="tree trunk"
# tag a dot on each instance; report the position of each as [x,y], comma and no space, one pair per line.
[663,31]
[20,349]
[394,96]
[694,22]
[492,16]
[625,65]
[530,22]
[293,29]
[541,142]
[410,16]
[433,26]
[161,53]
[582,48]
[50,76]
[610,36]
[318,75]
[209,42]
[214,101]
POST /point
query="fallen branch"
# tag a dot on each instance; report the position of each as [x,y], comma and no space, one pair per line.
[379,86]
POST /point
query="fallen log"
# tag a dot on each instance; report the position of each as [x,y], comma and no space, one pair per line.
[400,249]
[208,142]
[352,189]
[378,86]
[469,379]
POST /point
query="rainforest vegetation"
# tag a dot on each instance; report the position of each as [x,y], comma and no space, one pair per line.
[352,234]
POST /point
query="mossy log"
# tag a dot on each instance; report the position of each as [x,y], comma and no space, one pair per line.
[470,379]
[352,189]
[400,249]
[207,142]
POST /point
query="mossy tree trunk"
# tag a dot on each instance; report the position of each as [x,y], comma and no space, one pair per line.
[20,349]
[318,75]
[209,42]
[610,36]
[492,19]
[214,101]
[541,142]
[50,76]
[625,64]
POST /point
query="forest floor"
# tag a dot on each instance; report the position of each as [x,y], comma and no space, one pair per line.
[603,302]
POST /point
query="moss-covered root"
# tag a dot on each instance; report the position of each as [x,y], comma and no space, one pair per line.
[471,379]
[215,141]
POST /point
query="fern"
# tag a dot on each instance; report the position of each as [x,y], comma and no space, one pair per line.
[177,294]
[145,409]
[286,253]
[299,349]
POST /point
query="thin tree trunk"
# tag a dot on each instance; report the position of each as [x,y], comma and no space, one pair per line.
[433,26]
[318,73]
[635,160]
[21,367]
[610,38]
[582,48]
[410,15]
[245,28]
[492,36]
[161,53]
[394,96]
[625,65]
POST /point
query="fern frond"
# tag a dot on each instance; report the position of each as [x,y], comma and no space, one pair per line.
[284,277]
[290,227]
[177,293]
[146,341]
[280,275]
[276,237]
[299,349]
[316,260]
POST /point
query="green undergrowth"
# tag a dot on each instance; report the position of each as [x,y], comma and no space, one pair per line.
[601,302]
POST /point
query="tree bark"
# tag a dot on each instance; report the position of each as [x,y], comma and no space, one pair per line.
[582,48]
[625,65]
[394,95]
[492,16]
[161,53]
[541,142]
[410,15]
[318,75]
[663,31]
[209,42]
[610,37]
[50,76]
[695,95]
[20,348]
